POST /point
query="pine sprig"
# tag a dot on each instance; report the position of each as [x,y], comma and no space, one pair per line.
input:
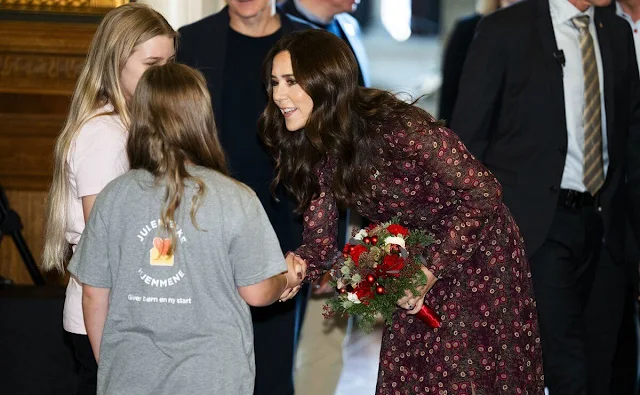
[419,238]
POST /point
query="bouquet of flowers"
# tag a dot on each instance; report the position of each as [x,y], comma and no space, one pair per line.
[380,263]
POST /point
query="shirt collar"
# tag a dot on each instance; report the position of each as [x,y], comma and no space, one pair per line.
[621,13]
[308,15]
[562,11]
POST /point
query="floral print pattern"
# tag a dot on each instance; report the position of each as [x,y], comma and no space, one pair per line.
[489,342]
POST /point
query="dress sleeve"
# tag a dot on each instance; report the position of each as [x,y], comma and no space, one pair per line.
[466,195]
[320,232]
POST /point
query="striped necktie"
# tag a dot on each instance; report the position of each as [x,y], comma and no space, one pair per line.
[593,166]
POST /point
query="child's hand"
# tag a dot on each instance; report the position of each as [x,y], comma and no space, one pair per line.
[296,272]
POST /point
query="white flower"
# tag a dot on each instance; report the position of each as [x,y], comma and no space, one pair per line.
[352,297]
[395,240]
[346,304]
[361,235]
[339,284]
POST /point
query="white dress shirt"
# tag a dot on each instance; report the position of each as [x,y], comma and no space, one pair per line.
[568,40]
[635,27]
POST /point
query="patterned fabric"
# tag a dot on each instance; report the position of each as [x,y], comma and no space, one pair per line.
[489,339]
[593,175]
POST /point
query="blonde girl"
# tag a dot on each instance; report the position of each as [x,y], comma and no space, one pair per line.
[90,150]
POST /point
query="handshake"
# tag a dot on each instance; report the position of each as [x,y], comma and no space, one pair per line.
[296,272]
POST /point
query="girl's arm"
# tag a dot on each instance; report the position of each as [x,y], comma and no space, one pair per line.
[95,304]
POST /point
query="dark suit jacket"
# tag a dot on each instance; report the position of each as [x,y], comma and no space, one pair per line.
[510,113]
[453,60]
[203,46]
[351,29]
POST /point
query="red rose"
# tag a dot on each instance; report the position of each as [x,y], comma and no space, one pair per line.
[357,250]
[396,229]
[392,263]
[346,248]
[364,293]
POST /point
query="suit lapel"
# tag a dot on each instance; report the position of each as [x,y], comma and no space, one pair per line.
[351,32]
[286,25]
[604,41]
[544,26]
[213,53]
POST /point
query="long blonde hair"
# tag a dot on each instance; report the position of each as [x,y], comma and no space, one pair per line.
[172,126]
[116,38]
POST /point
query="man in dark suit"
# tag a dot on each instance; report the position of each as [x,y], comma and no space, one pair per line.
[333,16]
[456,52]
[229,48]
[549,101]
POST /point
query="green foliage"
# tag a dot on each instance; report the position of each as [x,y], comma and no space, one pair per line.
[352,278]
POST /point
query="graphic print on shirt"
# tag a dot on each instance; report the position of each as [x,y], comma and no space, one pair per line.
[161,256]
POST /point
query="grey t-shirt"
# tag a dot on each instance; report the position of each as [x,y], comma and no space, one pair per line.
[176,324]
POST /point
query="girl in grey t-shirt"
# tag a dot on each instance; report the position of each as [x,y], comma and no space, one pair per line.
[174,253]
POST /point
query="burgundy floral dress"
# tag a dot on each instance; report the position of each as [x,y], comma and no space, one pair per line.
[489,341]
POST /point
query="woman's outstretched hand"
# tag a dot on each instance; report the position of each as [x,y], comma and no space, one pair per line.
[297,270]
[413,303]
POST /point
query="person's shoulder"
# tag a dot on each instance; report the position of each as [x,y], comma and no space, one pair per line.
[406,124]
[468,21]
[609,16]
[227,188]
[104,126]
[345,19]
[464,28]
[298,23]
[200,28]
[516,14]
[108,198]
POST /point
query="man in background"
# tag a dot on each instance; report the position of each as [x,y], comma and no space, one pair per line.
[333,16]
[553,110]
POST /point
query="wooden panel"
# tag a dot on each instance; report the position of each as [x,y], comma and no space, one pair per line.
[62,5]
[30,206]
[46,37]
[26,149]
[42,57]
[37,73]
[39,65]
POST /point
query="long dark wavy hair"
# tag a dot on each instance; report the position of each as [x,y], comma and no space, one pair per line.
[342,125]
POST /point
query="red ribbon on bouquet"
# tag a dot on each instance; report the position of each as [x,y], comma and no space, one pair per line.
[429,317]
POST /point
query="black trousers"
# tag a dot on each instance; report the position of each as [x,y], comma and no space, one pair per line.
[625,363]
[274,329]
[580,303]
[88,372]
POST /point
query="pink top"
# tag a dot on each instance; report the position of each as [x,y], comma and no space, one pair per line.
[96,156]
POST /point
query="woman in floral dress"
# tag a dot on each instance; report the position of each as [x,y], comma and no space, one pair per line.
[338,144]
